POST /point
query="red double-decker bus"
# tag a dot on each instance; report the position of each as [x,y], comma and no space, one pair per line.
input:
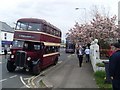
[35,46]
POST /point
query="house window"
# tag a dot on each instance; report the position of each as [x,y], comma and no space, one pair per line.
[5,36]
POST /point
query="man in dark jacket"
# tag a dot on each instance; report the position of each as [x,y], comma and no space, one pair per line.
[5,53]
[80,55]
[114,67]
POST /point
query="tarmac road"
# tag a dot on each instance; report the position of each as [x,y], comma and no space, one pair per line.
[11,80]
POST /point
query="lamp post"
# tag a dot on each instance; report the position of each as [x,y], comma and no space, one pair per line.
[84,11]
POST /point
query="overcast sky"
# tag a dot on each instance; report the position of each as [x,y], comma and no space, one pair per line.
[60,13]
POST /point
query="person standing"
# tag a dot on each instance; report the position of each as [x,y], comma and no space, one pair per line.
[80,55]
[87,53]
[5,52]
[114,67]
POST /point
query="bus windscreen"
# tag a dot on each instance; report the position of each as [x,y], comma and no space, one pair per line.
[28,26]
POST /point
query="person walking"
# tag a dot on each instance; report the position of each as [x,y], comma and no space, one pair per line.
[5,52]
[80,55]
[77,51]
[114,67]
[87,53]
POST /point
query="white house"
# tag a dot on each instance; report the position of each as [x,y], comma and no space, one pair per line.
[6,36]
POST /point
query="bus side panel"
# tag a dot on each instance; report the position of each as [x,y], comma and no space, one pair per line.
[49,60]
[51,39]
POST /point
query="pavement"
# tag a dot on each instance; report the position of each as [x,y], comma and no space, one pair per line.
[72,74]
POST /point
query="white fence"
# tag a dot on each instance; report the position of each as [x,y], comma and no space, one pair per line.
[95,55]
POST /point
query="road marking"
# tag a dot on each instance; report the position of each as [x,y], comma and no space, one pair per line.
[29,80]
[33,78]
[3,80]
[60,62]
[2,62]
[32,81]
[26,78]
[13,76]
[24,82]
[69,56]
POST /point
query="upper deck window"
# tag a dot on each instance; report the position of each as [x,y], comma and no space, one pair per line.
[28,26]
[21,26]
[34,26]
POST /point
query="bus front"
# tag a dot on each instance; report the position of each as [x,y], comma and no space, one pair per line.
[70,47]
[27,50]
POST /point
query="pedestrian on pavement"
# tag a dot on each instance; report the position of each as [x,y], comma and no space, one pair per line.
[80,55]
[114,67]
[5,52]
[87,53]
[77,51]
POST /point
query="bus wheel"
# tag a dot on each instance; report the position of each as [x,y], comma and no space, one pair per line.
[10,66]
[36,69]
[56,61]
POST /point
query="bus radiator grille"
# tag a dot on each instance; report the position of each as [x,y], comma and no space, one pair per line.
[20,58]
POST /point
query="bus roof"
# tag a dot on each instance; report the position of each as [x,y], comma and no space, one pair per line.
[35,20]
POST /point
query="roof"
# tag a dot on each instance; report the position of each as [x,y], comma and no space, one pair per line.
[5,27]
[35,20]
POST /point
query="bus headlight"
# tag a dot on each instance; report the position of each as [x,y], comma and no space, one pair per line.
[12,56]
[29,58]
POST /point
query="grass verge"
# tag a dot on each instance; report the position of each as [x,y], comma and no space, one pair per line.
[99,77]
[100,64]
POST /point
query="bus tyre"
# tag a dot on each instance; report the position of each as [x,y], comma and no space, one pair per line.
[36,69]
[56,61]
[10,66]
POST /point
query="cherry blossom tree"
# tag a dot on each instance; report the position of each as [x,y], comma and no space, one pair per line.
[100,27]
